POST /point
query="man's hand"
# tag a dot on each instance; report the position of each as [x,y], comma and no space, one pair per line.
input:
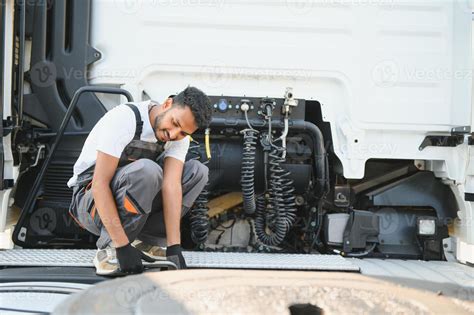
[130,259]
[175,255]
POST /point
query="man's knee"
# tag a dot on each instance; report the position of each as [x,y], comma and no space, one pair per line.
[149,166]
[146,171]
[140,180]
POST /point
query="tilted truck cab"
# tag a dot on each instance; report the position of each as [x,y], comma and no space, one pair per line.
[338,128]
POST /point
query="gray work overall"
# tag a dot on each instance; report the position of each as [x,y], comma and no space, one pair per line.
[136,187]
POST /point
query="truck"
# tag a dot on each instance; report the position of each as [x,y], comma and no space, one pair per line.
[340,139]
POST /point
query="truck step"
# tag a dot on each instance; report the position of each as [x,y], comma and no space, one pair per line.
[84,257]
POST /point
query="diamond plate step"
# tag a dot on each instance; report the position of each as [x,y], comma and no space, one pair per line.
[268,261]
[84,257]
[47,257]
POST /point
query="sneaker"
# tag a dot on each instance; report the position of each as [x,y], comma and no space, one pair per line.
[155,252]
[105,262]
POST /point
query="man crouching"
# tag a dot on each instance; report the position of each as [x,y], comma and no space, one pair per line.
[121,193]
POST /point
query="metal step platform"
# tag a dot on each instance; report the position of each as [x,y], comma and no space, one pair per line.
[84,257]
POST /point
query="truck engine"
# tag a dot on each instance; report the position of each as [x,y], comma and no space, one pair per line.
[291,163]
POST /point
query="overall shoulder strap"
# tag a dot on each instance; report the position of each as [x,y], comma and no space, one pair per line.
[139,127]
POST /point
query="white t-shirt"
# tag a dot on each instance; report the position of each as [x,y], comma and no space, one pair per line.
[115,130]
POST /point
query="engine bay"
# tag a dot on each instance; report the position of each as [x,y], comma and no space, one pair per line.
[292,172]
[293,199]
[272,159]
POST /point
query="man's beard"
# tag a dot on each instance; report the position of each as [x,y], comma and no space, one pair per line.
[157,124]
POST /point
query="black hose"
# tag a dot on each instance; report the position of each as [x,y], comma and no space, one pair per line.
[321,164]
[275,218]
[319,151]
[273,221]
[270,227]
[198,217]
[282,188]
[248,170]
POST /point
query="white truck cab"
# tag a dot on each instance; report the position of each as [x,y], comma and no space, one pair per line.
[362,112]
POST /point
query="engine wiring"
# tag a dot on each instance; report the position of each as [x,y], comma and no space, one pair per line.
[273,212]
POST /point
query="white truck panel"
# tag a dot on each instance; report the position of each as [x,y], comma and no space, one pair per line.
[9,170]
[387,72]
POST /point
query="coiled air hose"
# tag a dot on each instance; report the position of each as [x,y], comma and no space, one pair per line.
[269,225]
[321,172]
[250,136]
[248,169]
[275,216]
[283,186]
[199,219]
[319,150]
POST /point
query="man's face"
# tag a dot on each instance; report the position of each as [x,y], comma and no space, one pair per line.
[174,123]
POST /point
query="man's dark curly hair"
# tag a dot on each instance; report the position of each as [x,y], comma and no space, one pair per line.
[199,103]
